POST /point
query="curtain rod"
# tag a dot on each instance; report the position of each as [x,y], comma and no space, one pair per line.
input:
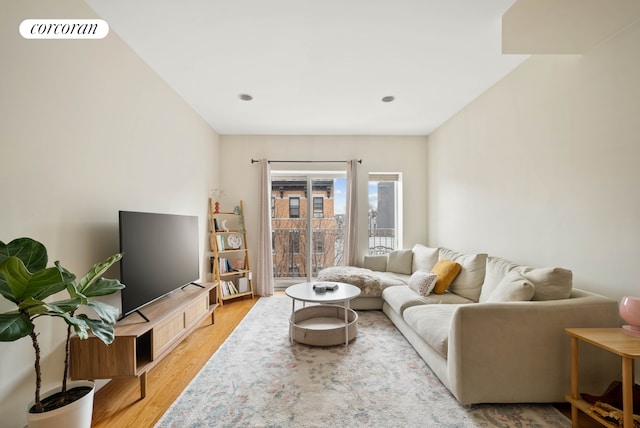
[302,161]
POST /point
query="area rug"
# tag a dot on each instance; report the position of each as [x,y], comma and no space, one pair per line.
[258,378]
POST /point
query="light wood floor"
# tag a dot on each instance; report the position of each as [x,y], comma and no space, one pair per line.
[118,403]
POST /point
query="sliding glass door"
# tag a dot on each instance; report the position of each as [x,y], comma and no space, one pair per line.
[307,225]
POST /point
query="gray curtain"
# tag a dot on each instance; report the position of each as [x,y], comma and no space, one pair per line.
[263,282]
[351,228]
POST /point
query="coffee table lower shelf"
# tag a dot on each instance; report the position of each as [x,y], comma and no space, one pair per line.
[323,325]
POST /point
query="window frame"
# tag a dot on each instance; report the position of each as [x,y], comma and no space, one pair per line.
[395,241]
[318,212]
[292,208]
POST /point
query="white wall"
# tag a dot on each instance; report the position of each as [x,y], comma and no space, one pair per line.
[543,169]
[540,169]
[87,130]
[240,179]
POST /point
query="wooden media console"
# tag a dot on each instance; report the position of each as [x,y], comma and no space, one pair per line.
[140,344]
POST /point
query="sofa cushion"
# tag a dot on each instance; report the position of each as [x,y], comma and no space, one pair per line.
[400,261]
[422,282]
[377,263]
[469,282]
[424,258]
[514,287]
[551,283]
[432,323]
[446,270]
[402,297]
[388,279]
[496,270]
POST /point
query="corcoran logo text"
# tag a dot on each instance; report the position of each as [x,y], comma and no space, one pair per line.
[64,29]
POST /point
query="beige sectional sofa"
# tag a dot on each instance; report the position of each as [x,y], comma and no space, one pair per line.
[490,338]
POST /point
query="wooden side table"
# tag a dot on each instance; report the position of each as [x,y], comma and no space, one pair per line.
[613,340]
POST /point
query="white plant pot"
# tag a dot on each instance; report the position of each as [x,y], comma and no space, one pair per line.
[75,415]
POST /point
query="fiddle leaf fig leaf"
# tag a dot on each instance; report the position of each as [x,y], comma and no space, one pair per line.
[102,330]
[15,276]
[79,325]
[107,313]
[21,284]
[32,307]
[88,284]
[14,326]
[103,287]
[63,306]
[48,282]
[32,253]
[6,292]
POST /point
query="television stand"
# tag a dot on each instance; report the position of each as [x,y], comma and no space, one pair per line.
[193,283]
[142,341]
[139,312]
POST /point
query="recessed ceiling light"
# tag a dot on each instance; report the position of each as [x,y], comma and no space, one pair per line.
[388,99]
[245,97]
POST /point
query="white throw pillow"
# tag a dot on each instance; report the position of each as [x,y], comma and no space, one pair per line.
[551,283]
[424,258]
[514,287]
[423,282]
[497,269]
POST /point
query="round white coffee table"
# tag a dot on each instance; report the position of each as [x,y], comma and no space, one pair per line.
[323,324]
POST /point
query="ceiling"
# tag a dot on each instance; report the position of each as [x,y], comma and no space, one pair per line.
[319,67]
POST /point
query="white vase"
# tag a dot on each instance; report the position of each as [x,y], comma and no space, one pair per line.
[77,414]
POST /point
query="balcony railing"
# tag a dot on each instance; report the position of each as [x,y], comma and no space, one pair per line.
[382,241]
[290,251]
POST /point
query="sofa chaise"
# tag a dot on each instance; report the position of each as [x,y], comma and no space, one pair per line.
[496,333]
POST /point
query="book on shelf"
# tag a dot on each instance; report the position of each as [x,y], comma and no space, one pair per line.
[224,288]
[220,242]
[232,287]
[228,288]
[223,265]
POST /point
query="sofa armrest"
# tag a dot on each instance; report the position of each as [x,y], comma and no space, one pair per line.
[378,263]
[493,346]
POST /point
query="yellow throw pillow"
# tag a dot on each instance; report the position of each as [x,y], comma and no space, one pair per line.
[447,270]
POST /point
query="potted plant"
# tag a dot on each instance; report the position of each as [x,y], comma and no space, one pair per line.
[26,281]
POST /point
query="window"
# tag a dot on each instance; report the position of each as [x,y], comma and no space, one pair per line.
[385,213]
[318,242]
[308,223]
[273,241]
[318,207]
[294,207]
[294,242]
[273,207]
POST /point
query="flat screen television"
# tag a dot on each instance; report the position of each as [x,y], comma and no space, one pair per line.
[160,255]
